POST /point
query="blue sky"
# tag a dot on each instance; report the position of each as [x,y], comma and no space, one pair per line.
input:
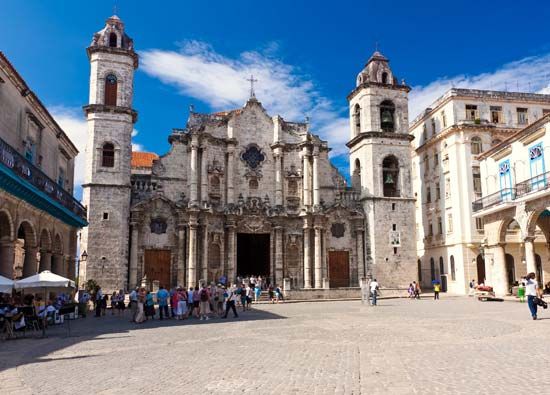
[305,55]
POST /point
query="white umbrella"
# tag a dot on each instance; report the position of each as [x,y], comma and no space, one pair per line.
[46,279]
[6,285]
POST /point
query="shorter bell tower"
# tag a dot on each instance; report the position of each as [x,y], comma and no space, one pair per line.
[380,165]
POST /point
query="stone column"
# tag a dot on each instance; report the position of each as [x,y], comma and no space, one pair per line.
[57,264]
[180,273]
[45,261]
[318,264]
[204,176]
[278,277]
[278,177]
[192,262]
[7,256]
[194,170]
[307,254]
[306,181]
[70,268]
[230,165]
[30,266]
[360,256]
[133,280]
[205,252]
[500,279]
[316,192]
[530,255]
[231,253]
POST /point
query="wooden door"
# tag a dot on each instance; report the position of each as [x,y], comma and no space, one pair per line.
[157,267]
[338,268]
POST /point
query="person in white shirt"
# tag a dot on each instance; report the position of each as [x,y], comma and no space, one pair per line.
[532,291]
[374,291]
[133,304]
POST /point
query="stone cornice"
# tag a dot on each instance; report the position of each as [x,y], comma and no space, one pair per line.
[116,51]
[369,84]
[112,109]
[387,135]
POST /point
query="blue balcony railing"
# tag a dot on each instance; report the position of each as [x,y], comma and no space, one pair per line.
[24,169]
[533,184]
[504,195]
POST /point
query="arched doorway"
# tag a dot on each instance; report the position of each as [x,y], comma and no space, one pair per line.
[442,275]
[480,262]
[432,269]
[510,270]
[539,273]
[419,271]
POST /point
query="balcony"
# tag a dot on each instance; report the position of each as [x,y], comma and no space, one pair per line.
[534,184]
[504,195]
[21,178]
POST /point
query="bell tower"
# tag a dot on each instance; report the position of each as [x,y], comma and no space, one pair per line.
[106,189]
[380,165]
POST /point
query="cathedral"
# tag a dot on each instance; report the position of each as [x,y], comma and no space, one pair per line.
[242,192]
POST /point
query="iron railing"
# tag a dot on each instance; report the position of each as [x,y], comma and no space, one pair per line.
[504,195]
[24,169]
[534,184]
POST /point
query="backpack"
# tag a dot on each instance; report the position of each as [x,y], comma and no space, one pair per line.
[204,296]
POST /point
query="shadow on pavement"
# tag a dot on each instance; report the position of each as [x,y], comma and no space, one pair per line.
[34,349]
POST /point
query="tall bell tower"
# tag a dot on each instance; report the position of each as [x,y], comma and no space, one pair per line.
[380,165]
[106,190]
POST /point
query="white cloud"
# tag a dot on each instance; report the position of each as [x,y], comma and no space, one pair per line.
[529,74]
[221,82]
[72,121]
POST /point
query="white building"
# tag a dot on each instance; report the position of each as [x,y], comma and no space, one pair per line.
[515,207]
[449,137]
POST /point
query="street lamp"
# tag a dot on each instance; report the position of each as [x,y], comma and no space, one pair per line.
[84,256]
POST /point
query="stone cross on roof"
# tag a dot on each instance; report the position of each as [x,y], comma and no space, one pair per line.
[252,81]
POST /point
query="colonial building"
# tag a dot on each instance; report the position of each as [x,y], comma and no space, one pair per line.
[241,192]
[515,208]
[39,218]
[380,164]
[450,136]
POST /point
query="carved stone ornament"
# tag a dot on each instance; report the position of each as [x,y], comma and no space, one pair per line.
[338,229]
[158,226]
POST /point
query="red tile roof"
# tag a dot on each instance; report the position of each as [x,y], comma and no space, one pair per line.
[143,159]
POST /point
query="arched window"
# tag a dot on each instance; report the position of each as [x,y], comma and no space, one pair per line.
[390,176]
[477,147]
[453,268]
[110,90]
[357,119]
[292,188]
[112,40]
[387,116]
[432,268]
[441,266]
[419,271]
[356,178]
[108,155]
[384,77]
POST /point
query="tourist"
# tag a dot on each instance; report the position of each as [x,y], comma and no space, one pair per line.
[149,306]
[83,299]
[196,301]
[190,304]
[437,289]
[279,295]
[249,295]
[204,307]
[114,299]
[532,291]
[521,291]
[120,302]
[410,290]
[162,299]
[140,311]
[374,287]
[98,301]
[271,294]
[232,297]
[219,300]
[257,292]
[213,291]
[134,303]
[242,292]
[181,310]
[472,287]
[417,291]
[174,301]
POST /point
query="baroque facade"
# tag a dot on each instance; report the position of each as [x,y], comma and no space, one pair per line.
[451,138]
[39,218]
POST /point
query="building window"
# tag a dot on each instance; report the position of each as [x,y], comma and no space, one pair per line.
[105,216]
[476,176]
[393,207]
[479,224]
[357,119]
[496,114]
[439,226]
[394,227]
[522,116]
[449,223]
[505,178]
[387,114]
[441,266]
[384,77]
[432,269]
[430,229]
[253,184]
[471,112]
[536,162]
[215,185]
[390,176]
[112,40]
[437,191]
[436,160]
[476,146]
[447,188]
[428,195]
[432,121]
[453,268]
[30,151]
[424,133]
[110,90]
[61,178]
[444,119]
[108,155]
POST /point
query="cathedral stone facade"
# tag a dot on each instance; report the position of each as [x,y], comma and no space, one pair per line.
[239,193]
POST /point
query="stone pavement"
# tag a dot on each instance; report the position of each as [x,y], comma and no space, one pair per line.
[455,346]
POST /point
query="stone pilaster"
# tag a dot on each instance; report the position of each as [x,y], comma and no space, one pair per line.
[316,191]
[205,251]
[530,255]
[194,170]
[499,277]
[318,256]
[278,277]
[230,175]
[278,177]
[204,176]
[360,256]
[192,263]
[307,253]
[306,173]
[180,270]
[133,280]
[231,252]
[57,264]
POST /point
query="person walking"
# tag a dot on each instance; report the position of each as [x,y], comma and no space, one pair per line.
[134,303]
[196,301]
[114,299]
[120,302]
[204,306]
[417,291]
[230,303]
[162,298]
[437,289]
[140,311]
[257,293]
[271,293]
[190,303]
[532,291]
[98,301]
[149,306]
[181,310]
[374,287]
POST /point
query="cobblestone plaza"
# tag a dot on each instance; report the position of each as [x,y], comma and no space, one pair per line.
[452,346]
